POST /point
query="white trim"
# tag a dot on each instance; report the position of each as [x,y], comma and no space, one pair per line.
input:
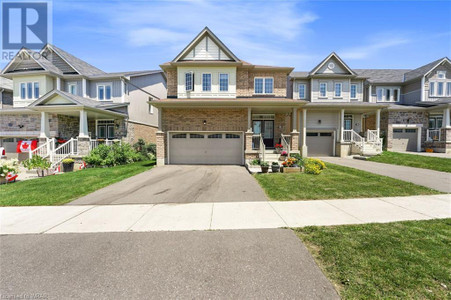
[211,82]
[219,81]
[264,86]
[74,83]
[84,87]
[444,59]
[104,84]
[328,58]
[26,90]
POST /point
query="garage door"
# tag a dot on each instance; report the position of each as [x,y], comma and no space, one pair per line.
[404,139]
[206,148]
[320,143]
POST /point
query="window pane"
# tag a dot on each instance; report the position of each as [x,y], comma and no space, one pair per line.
[73,89]
[387,95]
[36,90]
[322,89]
[215,136]
[196,136]
[232,136]
[269,85]
[379,94]
[431,88]
[258,86]
[101,131]
[440,88]
[302,91]
[439,122]
[108,92]
[29,90]
[206,82]
[223,82]
[188,81]
[448,88]
[110,132]
[338,90]
[101,92]
[353,91]
[179,136]
[395,95]
[432,123]
[22,91]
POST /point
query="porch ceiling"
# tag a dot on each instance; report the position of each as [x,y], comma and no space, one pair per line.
[74,110]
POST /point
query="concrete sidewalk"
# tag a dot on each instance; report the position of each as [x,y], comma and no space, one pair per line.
[216,216]
[440,181]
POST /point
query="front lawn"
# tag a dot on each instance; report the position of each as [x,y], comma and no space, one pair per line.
[412,160]
[404,260]
[336,182]
[60,189]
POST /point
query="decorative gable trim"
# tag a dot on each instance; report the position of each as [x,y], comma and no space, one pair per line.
[323,62]
[445,59]
[19,55]
[206,32]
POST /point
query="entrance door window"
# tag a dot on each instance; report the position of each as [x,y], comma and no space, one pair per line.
[266,129]
[347,122]
[435,122]
[105,129]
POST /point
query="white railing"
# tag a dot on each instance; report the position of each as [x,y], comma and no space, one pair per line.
[373,138]
[45,150]
[258,144]
[68,148]
[95,143]
[262,149]
[433,135]
[350,136]
[347,136]
[285,140]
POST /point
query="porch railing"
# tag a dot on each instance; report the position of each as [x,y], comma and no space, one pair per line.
[45,150]
[257,144]
[433,135]
[373,138]
[95,143]
[68,148]
[351,136]
[285,139]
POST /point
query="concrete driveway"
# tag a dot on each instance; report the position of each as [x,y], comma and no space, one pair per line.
[234,264]
[180,184]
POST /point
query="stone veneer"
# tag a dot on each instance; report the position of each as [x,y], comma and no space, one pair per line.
[137,131]
[30,122]
[389,118]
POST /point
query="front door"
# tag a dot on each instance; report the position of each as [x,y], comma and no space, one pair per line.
[105,131]
[266,128]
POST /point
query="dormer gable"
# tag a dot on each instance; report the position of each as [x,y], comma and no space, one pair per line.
[332,64]
[206,46]
[23,61]
[58,61]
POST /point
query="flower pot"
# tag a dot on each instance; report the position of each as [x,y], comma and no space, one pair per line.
[275,168]
[282,158]
[291,170]
[265,169]
[68,167]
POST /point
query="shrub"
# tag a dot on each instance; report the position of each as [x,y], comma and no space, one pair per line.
[68,161]
[113,155]
[314,166]
[38,163]
[148,151]
[7,166]
[264,164]
[255,162]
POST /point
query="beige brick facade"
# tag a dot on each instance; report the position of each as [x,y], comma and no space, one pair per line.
[137,131]
[171,75]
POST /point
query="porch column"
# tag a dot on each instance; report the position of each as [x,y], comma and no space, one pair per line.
[122,90]
[45,126]
[58,83]
[83,87]
[160,117]
[304,133]
[249,119]
[342,122]
[161,148]
[83,124]
[369,94]
[294,121]
[378,122]
[445,122]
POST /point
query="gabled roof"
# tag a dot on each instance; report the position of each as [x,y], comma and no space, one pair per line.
[82,67]
[333,54]
[205,32]
[6,84]
[383,75]
[41,61]
[423,70]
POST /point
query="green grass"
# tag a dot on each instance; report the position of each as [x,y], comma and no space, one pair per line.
[404,260]
[336,182]
[60,189]
[412,160]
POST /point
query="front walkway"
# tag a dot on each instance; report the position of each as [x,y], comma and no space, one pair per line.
[216,216]
[440,181]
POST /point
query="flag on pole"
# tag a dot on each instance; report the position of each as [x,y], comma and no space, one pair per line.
[26,146]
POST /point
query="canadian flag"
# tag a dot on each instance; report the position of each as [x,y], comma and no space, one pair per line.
[26,146]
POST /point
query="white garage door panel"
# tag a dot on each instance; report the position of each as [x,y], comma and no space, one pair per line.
[205,150]
[404,140]
[320,144]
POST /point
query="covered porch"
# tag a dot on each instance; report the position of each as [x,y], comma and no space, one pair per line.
[438,133]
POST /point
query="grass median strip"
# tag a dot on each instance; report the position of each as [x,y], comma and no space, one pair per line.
[405,260]
[412,160]
[60,189]
[336,182]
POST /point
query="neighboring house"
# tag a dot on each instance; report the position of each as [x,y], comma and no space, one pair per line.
[6,93]
[56,94]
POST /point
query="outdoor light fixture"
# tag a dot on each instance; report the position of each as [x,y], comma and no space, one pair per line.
[319,121]
[205,122]
[20,126]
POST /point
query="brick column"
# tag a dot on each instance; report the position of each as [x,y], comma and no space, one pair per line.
[294,141]
[83,146]
[248,140]
[161,155]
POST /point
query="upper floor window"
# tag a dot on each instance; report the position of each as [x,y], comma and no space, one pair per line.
[338,89]
[223,82]
[72,88]
[29,90]
[206,82]
[439,88]
[322,89]
[441,74]
[379,94]
[448,88]
[263,85]
[431,88]
[301,91]
[387,94]
[395,95]
[189,81]
[353,91]
[104,92]
[435,122]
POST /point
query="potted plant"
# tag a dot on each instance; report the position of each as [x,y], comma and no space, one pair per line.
[279,148]
[8,170]
[283,155]
[40,164]
[68,165]
[275,167]
[265,167]
[291,165]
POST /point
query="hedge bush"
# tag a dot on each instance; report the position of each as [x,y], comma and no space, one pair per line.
[113,155]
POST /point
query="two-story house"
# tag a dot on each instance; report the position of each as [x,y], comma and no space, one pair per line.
[57,95]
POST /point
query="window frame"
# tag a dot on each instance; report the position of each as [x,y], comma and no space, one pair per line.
[442,85]
[23,90]
[150,109]
[441,72]
[211,79]
[191,87]
[304,86]
[36,85]
[380,97]
[448,88]
[70,85]
[264,92]
[389,93]
[104,85]
[350,91]
[340,84]
[219,81]
[432,88]
[325,90]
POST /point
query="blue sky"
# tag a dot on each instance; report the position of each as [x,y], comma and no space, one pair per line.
[140,35]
